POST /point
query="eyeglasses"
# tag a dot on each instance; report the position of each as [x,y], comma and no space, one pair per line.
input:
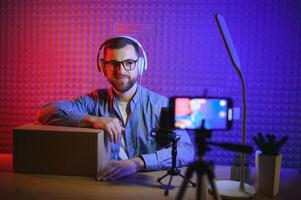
[128,64]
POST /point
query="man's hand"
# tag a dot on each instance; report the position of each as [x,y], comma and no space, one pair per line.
[116,169]
[110,125]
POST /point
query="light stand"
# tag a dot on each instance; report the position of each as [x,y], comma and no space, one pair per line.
[234,189]
[173,171]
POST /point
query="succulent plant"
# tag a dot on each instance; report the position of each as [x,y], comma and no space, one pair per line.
[269,145]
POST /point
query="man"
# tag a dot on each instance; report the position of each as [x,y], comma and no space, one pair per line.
[127,112]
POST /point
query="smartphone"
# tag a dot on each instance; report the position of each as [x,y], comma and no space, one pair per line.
[190,112]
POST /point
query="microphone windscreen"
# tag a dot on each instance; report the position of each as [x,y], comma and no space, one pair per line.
[164,118]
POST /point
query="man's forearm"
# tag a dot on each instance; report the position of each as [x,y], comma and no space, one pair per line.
[139,163]
[111,126]
[88,121]
[44,113]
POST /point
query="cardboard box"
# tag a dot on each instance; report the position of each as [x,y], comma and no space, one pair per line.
[43,149]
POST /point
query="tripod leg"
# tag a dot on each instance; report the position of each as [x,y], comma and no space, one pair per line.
[168,186]
[192,183]
[211,180]
[160,179]
[201,189]
[214,189]
[185,182]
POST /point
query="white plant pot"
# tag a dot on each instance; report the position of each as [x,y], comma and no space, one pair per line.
[268,173]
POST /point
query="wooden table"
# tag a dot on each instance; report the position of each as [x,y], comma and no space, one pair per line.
[142,186]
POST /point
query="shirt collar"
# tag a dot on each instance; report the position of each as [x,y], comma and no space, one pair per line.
[134,99]
[136,96]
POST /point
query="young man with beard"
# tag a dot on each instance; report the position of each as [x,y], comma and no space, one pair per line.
[127,112]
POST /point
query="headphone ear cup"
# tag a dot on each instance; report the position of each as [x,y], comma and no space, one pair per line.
[140,65]
[101,67]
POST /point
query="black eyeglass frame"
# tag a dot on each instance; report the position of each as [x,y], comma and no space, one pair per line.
[118,63]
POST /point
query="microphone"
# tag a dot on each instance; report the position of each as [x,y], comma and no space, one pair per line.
[163,133]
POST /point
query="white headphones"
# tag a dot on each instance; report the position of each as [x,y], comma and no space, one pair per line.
[141,63]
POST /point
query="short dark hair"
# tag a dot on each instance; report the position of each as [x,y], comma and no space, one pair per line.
[119,42]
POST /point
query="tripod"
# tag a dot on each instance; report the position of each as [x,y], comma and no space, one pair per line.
[173,171]
[201,168]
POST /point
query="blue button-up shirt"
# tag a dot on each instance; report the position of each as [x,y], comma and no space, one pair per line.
[145,107]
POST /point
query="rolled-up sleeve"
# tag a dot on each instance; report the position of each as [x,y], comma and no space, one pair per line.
[67,113]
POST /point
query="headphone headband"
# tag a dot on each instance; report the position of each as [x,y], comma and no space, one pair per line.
[144,63]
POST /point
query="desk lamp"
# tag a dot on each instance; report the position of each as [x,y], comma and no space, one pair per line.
[227,188]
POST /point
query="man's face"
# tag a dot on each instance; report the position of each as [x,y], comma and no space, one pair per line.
[121,79]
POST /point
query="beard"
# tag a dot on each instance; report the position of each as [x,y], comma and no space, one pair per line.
[123,83]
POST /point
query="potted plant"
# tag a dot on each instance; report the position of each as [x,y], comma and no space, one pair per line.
[268,162]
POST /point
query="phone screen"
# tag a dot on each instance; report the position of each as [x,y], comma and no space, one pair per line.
[190,112]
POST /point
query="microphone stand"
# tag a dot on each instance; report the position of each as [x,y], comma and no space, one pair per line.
[173,171]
